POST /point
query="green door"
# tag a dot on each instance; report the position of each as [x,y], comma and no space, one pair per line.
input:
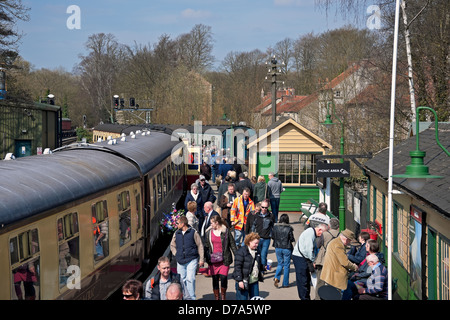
[22,148]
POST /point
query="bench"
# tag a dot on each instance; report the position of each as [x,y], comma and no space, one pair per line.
[314,202]
[309,208]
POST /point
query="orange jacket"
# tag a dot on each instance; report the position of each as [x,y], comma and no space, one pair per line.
[237,213]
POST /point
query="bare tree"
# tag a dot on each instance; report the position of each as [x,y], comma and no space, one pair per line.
[195,48]
[98,72]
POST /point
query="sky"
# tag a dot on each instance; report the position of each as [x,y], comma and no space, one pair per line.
[57,30]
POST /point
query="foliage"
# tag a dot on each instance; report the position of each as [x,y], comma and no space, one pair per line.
[10,12]
[84,133]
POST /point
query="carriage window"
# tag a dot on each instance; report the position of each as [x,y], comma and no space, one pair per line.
[124,217]
[165,183]
[25,263]
[100,225]
[159,189]
[155,203]
[68,243]
[169,177]
[138,212]
[174,173]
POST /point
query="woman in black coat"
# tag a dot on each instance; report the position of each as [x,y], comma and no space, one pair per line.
[248,268]
[283,237]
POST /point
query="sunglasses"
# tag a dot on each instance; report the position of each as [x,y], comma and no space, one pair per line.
[127,295]
[264,207]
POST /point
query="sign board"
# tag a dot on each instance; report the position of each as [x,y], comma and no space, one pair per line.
[329,170]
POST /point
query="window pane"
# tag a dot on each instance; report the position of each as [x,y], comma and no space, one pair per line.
[68,250]
[125,227]
[159,189]
[26,281]
[165,183]
[14,250]
[100,225]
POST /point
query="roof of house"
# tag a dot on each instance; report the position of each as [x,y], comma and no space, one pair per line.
[295,105]
[436,191]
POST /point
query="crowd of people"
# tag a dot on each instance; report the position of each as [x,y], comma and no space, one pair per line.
[237,226]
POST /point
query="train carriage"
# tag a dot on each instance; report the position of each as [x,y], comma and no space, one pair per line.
[77,223]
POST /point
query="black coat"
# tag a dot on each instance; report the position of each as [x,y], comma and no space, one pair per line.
[243,264]
[283,236]
[199,202]
[263,225]
[207,192]
[208,222]
[228,245]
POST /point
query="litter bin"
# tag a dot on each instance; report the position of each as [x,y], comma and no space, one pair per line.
[372,233]
[327,292]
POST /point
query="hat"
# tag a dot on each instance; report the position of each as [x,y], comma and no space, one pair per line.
[202,177]
[348,234]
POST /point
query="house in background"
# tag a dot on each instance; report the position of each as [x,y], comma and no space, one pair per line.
[358,99]
[421,218]
[286,99]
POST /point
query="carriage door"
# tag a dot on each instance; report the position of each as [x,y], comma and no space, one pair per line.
[22,148]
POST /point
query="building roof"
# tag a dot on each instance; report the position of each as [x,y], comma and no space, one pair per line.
[300,102]
[436,191]
[283,121]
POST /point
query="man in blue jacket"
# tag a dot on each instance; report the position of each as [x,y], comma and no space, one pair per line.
[187,247]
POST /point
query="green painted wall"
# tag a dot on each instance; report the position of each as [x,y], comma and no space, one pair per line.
[292,197]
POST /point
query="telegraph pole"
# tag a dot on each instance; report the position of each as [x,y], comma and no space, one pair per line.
[273,72]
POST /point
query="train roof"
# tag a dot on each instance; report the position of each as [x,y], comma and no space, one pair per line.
[146,150]
[167,128]
[36,184]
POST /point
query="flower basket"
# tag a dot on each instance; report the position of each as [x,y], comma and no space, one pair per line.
[168,224]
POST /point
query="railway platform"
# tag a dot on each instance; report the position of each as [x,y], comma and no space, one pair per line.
[267,290]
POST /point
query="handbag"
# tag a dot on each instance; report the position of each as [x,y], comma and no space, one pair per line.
[216,257]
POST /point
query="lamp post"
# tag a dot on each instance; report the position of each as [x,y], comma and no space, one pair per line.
[273,72]
[328,122]
[417,172]
[391,147]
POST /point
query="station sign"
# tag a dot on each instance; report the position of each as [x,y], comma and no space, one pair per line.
[329,170]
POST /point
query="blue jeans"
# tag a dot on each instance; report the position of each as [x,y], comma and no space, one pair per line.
[263,247]
[239,236]
[253,291]
[350,292]
[284,262]
[274,206]
[213,174]
[187,273]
